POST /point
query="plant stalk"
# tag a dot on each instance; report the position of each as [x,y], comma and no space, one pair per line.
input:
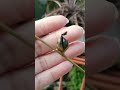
[7,29]
[62,54]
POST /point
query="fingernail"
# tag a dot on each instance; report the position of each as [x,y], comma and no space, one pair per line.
[67,21]
[83,43]
[83,31]
[63,18]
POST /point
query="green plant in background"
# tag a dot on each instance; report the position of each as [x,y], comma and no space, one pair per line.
[72,9]
[40,7]
[75,79]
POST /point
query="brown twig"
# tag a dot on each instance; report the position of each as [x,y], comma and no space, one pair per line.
[62,54]
[9,30]
[75,18]
[79,62]
[60,83]
[79,59]
[83,84]
[74,62]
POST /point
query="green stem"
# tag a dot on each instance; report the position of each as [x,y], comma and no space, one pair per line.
[7,29]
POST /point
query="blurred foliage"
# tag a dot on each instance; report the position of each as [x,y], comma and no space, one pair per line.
[71,81]
[40,8]
[75,79]
[71,9]
[53,4]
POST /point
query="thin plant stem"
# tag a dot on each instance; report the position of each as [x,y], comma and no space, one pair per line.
[79,59]
[7,29]
[62,54]
[60,83]
[83,84]
[70,60]
[79,62]
[57,2]
[37,38]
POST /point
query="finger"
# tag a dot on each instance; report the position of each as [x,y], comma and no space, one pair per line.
[105,53]
[99,16]
[74,33]
[45,62]
[16,11]
[49,24]
[15,53]
[52,74]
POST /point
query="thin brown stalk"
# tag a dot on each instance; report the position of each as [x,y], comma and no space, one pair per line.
[70,60]
[79,59]
[54,11]
[62,54]
[7,29]
[60,83]
[83,84]
[37,38]
[79,62]
[58,3]
[75,18]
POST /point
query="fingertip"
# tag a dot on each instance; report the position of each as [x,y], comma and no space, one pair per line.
[61,17]
[67,65]
[81,46]
[50,24]
[75,32]
[79,29]
[76,48]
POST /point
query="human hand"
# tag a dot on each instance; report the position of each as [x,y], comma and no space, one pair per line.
[21,21]
[14,55]
[105,49]
[51,66]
